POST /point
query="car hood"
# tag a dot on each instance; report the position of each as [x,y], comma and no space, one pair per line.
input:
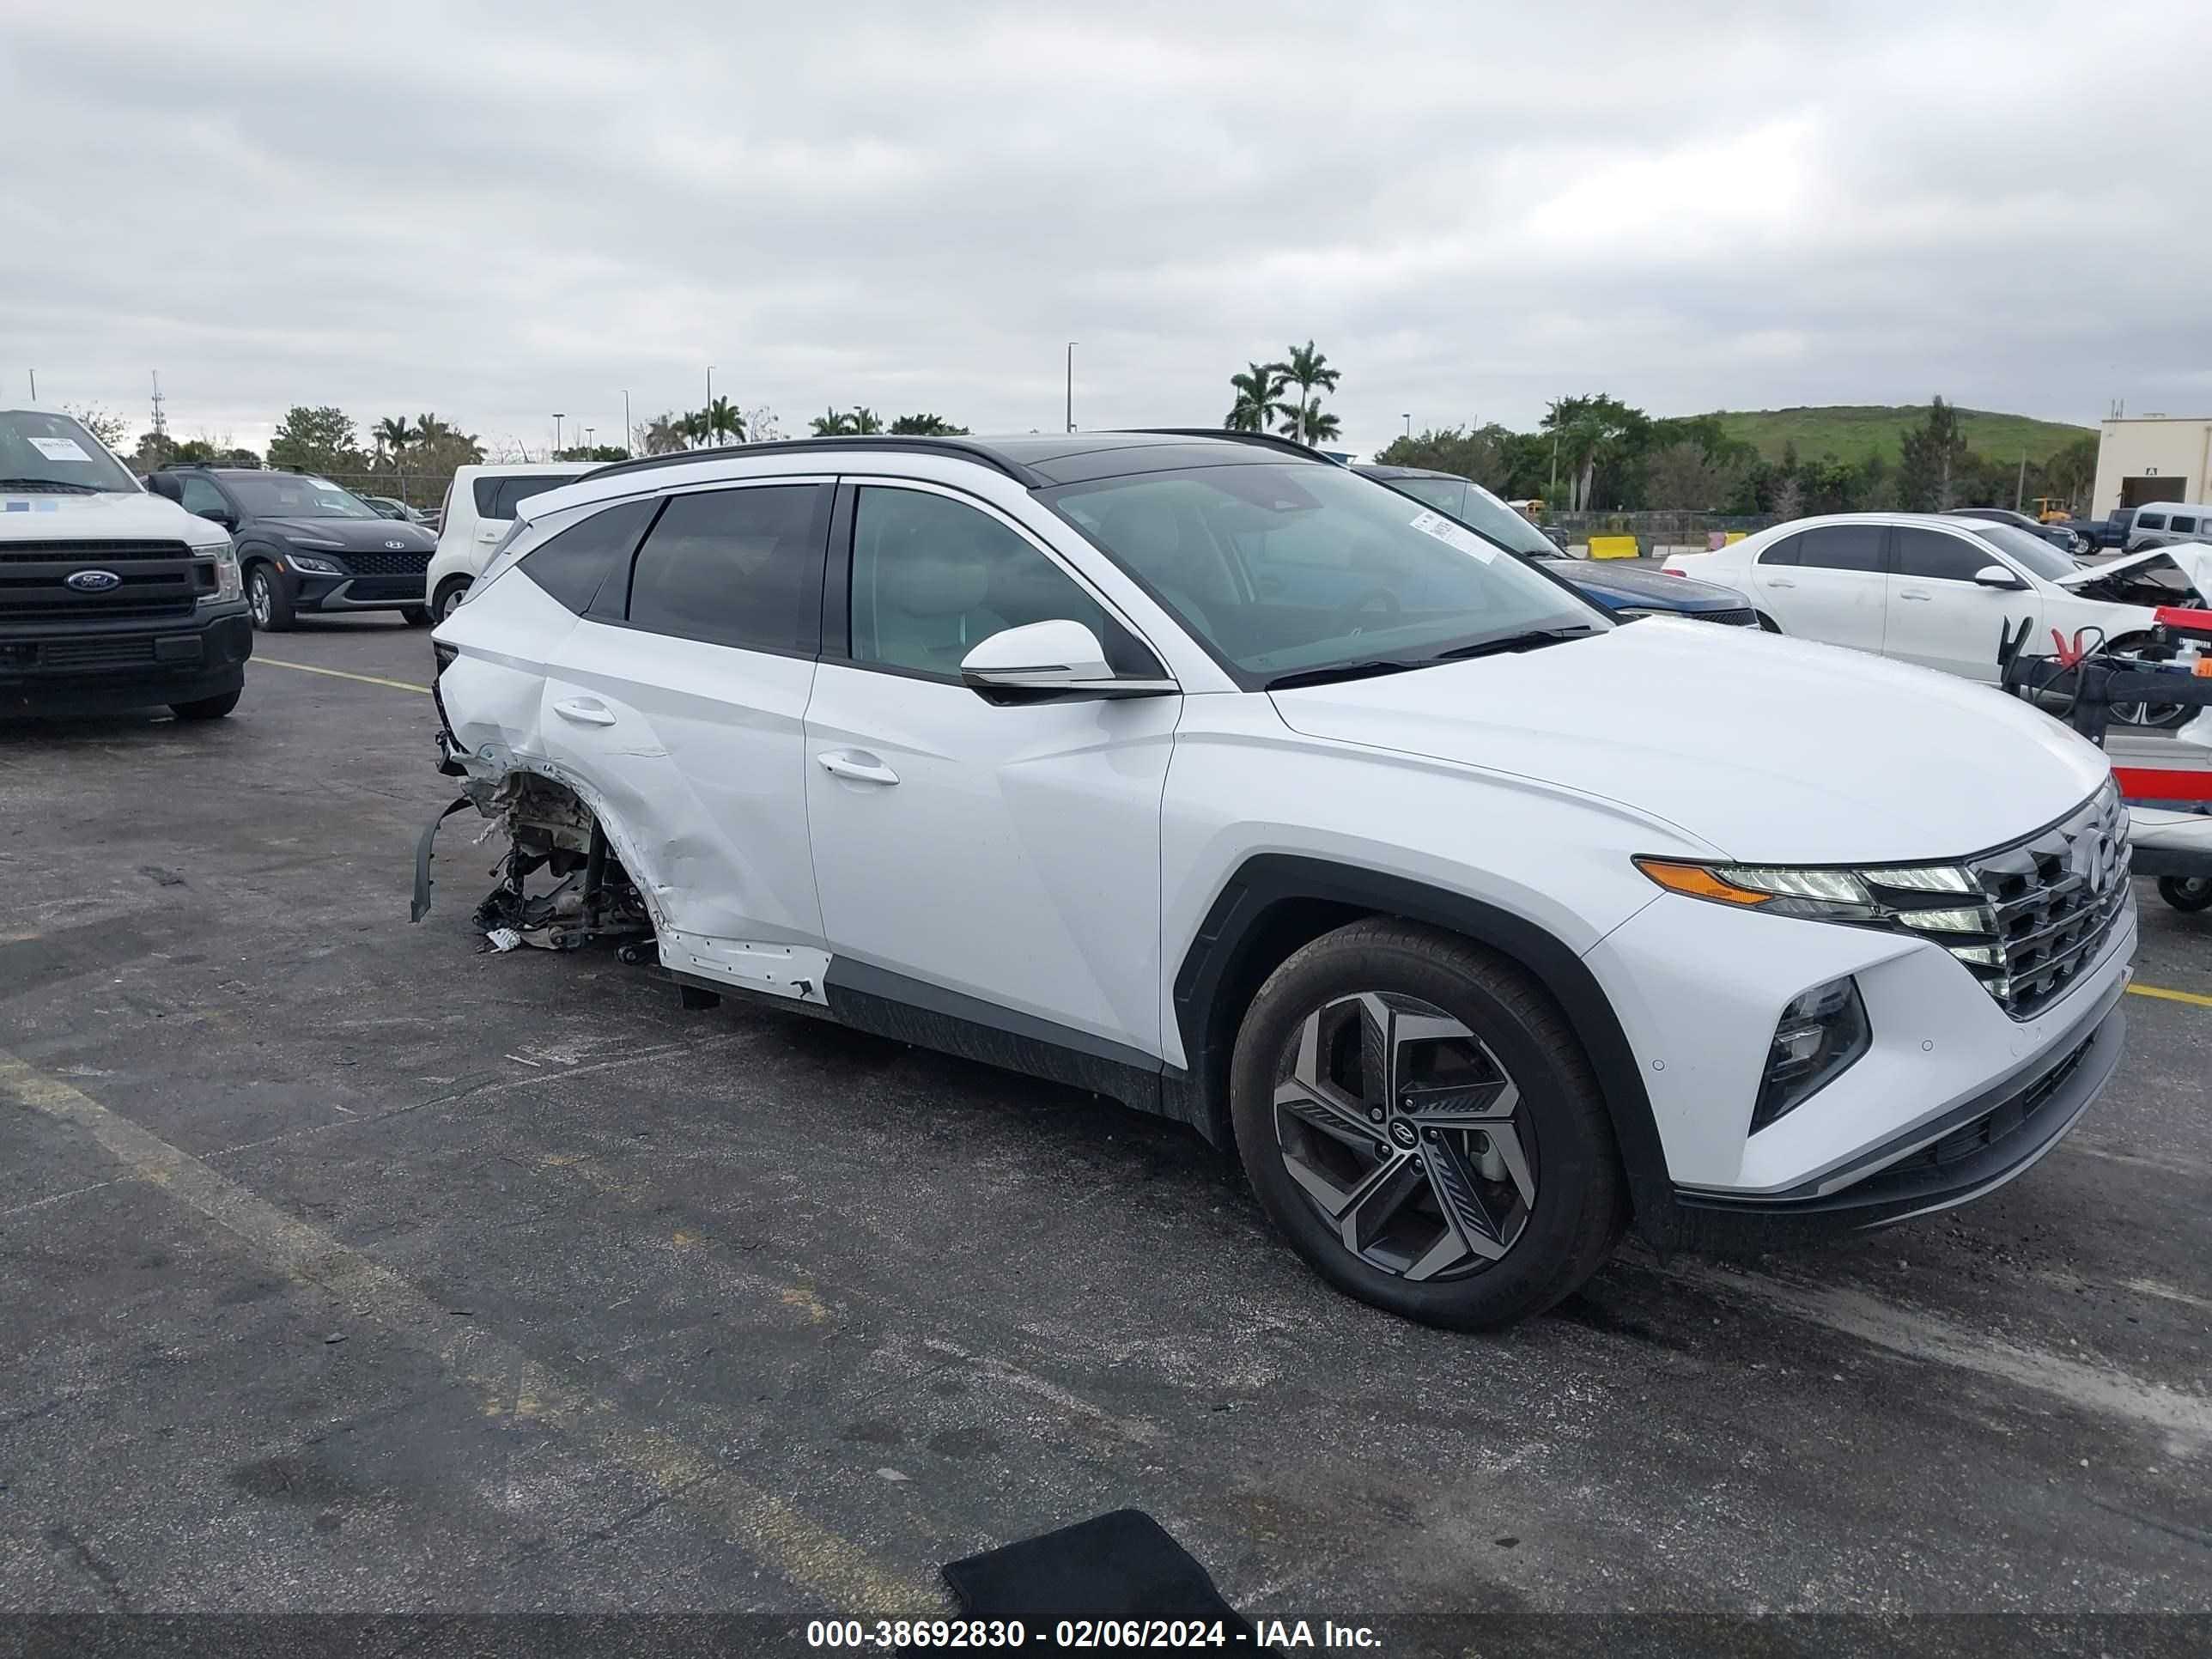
[1767,749]
[40,517]
[1632,586]
[355,535]
[2195,559]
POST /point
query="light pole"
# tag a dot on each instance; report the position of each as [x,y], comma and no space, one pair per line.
[626,427]
[588,435]
[705,413]
[557,418]
[1072,344]
[1409,424]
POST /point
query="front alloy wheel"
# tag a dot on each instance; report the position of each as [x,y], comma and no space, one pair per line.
[1401,1127]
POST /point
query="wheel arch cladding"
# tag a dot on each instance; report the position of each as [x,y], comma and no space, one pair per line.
[1276,902]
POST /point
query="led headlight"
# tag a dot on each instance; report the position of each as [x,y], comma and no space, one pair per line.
[1819,1036]
[313,566]
[228,585]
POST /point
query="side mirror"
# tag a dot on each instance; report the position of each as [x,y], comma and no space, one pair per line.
[221,515]
[167,486]
[1051,657]
[1995,575]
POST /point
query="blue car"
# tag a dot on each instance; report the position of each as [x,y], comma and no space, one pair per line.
[1626,590]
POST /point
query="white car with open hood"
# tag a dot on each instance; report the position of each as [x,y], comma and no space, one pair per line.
[1939,591]
[1197,771]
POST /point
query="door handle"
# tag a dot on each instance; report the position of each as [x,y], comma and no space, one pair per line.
[585,711]
[1778,581]
[488,533]
[1914,594]
[860,767]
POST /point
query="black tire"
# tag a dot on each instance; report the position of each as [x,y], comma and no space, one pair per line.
[417,615]
[1562,1230]
[2186,893]
[206,708]
[269,593]
[448,595]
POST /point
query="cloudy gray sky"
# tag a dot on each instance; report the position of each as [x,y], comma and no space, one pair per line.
[495,213]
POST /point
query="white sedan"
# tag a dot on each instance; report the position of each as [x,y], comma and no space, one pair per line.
[1941,591]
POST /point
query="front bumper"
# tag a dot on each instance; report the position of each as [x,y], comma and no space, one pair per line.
[329,593]
[1699,988]
[82,667]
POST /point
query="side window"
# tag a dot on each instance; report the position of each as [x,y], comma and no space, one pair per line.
[1935,556]
[2151,520]
[933,577]
[1782,552]
[201,497]
[736,566]
[572,565]
[496,496]
[2187,525]
[1843,547]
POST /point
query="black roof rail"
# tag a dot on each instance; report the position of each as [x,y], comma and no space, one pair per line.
[1270,440]
[965,449]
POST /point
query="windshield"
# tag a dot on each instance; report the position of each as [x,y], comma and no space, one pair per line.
[2029,549]
[293,496]
[51,453]
[1286,566]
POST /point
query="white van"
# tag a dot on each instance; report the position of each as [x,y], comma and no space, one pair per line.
[2160,524]
[479,507]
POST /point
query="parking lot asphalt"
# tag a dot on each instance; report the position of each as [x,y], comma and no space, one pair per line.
[347,1268]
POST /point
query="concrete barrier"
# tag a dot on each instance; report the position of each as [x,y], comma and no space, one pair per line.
[1612,547]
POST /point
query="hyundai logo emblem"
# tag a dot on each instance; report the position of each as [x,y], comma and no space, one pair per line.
[397,546]
[94,582]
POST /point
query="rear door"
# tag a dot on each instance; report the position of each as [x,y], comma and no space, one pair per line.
[680,696]
[1938,615]
[1827,582]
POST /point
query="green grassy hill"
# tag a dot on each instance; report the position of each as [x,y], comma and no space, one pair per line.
[1851,431]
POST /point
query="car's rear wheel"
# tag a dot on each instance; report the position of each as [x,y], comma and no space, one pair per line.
[1417,1116]
[2189,893]
[451,593]
[417,615]
[269,595]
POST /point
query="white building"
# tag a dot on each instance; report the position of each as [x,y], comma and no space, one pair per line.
[2152,458]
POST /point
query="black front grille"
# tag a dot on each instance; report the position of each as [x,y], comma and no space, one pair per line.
[374,588]
[72,609]
[90,553]
[387,564]
[1969,1139]
[87,651]
[1741,617]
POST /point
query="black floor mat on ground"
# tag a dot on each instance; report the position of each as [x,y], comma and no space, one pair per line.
[1120,1566]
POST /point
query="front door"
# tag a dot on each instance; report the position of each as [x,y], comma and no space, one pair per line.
[679,697]
[1939,616]
[994,861]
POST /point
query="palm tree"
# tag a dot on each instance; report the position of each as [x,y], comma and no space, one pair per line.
[428,429]
[1259,398]
[395,434]
[832,424]
[693,427]
[722,417]
[865,419]
[928,426]
[1307,424]
[1306,369]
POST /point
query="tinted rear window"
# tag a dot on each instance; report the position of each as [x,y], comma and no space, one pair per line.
[1842,547]
[1782,552]
[736,566]
[2151,520]
[572,565]
[1932,555]
[496,496]
[2187,526]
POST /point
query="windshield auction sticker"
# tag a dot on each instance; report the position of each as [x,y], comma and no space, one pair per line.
[59,449]
[1452,535]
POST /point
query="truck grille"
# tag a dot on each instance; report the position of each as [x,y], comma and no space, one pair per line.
[94,651]
[155,582]
[387,564]
[2046,905]
[89,553]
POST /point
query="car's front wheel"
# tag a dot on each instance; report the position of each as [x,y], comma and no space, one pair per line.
[269,595]
[2186,893]
[417,615]
[1417,1116]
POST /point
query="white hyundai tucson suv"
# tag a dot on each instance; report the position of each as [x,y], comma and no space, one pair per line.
[1200,772]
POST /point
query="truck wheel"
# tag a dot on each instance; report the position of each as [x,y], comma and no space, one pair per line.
[1417,1116]
[450,593]
[2187,893]
[206,708]
[269,592]
[417,615]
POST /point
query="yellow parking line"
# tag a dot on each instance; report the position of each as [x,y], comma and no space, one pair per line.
[2194,999]
[340,674]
